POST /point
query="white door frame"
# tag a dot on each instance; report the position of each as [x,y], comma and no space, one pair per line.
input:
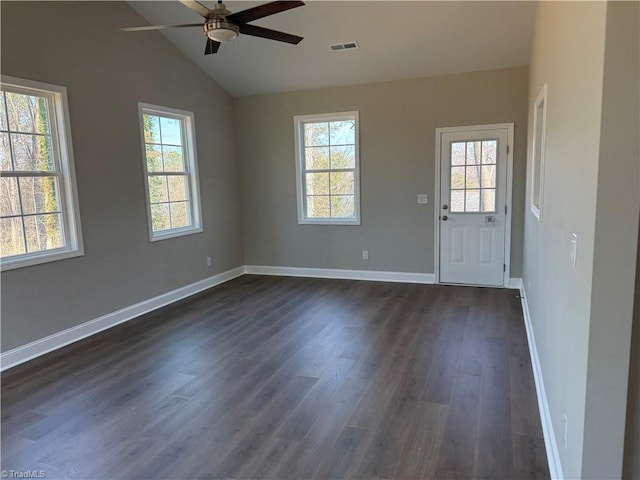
[508,200]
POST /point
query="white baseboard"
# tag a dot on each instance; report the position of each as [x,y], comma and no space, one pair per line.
[515,283]
[551,446]
[372,275]
[21,354]
[57,340]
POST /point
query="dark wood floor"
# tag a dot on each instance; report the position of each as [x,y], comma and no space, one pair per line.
[267,377]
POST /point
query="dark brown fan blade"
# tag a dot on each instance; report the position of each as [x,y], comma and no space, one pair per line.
[212,47]
[256,31]
[159,27]
[262,11]
[197,7]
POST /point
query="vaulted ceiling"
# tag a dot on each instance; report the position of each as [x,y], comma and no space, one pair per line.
[397,40]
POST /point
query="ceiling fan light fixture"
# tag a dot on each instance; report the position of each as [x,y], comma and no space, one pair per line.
[221,31]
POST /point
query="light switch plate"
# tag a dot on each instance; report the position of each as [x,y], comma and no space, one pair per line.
[573,249]
[422,198]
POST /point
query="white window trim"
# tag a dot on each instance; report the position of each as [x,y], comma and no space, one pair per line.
[298,122]
[538,166]
[63,146]
[191,162]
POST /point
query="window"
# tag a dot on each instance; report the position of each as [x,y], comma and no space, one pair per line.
[537,165]
[171,173]
[38,200]
[327,168]
[473,176]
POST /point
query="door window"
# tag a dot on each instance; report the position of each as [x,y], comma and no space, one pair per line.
[473,176]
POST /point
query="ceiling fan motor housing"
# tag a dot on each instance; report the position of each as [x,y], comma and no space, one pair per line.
[220,30]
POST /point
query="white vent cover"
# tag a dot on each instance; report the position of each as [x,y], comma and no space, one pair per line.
[344,46]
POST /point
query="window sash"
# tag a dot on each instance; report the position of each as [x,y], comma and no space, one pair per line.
[300,122]
[190,171]
[62,170]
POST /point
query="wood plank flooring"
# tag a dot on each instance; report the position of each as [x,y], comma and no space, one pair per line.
[288,378]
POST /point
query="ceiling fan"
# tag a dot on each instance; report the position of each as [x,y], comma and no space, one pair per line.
[220,25]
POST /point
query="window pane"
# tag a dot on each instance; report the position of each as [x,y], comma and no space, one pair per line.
[9,200]
[173,161]
[488,200]
[317,183]
[180,215]
[43,232]
[39,195]
[473,152]
[343,206]
[457,177]
[316,158]
[318,207]
[343,157]
[158,189]
[457,153]
[36,195]
[160,217]
[170,131]
[178,188]
[12,240]
[3,113]
[154,158]
[342,183]
[316,134]
[27,113]
[32,152]
[489,151]
[457,201]
[488,176]
[472,203]
[343,132]
[5,153]
[151,128]
[473,179]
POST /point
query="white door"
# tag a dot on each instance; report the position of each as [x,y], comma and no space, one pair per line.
[473,214]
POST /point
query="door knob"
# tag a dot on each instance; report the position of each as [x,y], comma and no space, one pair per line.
[445,218]
[444,207]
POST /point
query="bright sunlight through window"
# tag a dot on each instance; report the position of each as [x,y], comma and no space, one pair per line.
[173,202]
[38,200]
[327,165]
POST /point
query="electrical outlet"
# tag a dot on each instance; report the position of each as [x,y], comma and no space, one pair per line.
[422,198]
[365,254]
[566,431]
[208,261]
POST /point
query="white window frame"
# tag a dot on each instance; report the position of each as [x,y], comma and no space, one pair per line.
[298,122]
[191,166]
[538,152]
[64,169]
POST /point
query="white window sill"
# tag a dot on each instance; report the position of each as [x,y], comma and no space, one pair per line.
[328,222]
[156,237]
[38,258]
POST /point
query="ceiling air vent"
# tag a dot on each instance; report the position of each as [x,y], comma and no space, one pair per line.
[344,46]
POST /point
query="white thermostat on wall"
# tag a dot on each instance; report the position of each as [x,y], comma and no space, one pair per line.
[422,198]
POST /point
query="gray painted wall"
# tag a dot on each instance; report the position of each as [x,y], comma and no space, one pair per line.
[106,73]
[632,434]
[616,234]
[397,149]
[582,315]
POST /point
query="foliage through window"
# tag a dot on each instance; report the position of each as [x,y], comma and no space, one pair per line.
[38,202]
[473,176]
[328,168]
[171,172]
